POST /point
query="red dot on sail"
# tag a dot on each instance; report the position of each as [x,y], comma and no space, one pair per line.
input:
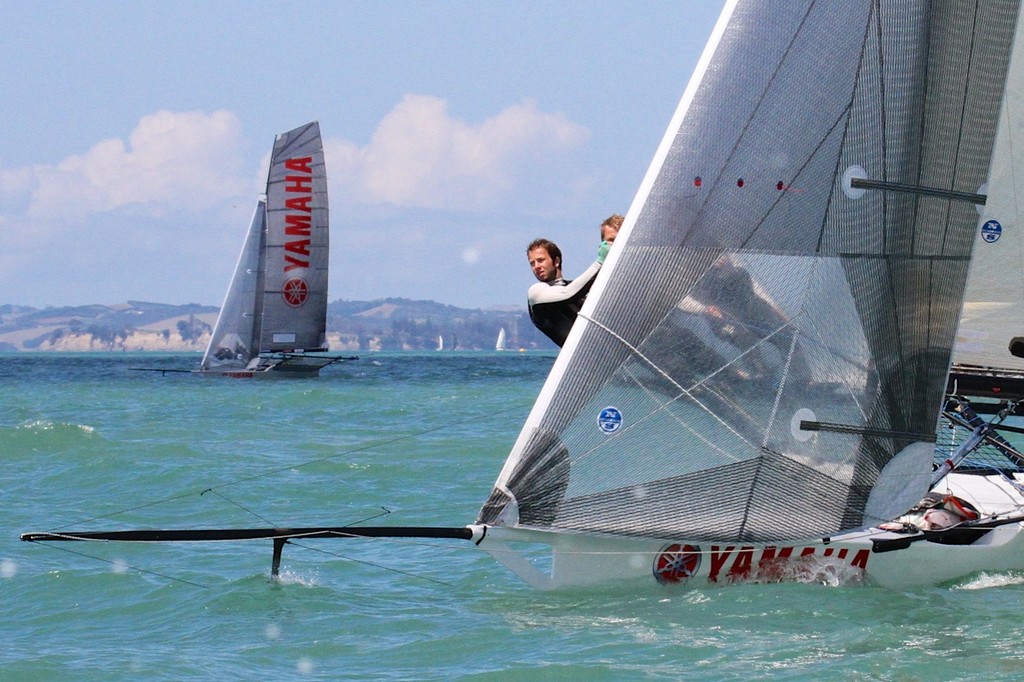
[697,181]
[739,182]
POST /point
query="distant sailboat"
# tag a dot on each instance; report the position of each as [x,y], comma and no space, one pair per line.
[274,318]
[500,343]
[440,342]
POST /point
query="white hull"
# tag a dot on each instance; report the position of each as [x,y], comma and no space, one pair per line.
[580,560]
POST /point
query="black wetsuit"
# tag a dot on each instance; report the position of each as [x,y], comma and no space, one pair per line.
[554,306]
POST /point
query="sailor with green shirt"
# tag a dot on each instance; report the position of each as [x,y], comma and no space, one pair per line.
[553,301]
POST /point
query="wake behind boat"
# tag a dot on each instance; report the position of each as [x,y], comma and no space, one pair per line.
[274,319]
[755,387]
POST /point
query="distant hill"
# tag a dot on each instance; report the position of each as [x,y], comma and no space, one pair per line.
[384,324]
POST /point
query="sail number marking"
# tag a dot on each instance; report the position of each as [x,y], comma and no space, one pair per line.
[298,224]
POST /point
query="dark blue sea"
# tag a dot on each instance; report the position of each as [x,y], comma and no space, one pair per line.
[402,439]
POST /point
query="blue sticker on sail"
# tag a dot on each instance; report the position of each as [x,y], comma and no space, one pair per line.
[991,231]
[610,420]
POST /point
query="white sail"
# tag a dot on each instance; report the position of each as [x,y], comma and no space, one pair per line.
[295,277]
[764,354]
[994,305]
[233,342]
[275,312]
[500,343]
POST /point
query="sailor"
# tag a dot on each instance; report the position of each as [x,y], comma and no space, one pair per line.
[554,301]
[610,228]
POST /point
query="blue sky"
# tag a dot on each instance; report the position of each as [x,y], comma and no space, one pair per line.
[135,135]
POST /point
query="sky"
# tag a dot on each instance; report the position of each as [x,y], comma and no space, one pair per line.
[136,135]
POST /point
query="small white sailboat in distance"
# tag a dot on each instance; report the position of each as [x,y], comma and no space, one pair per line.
[274,318]
[754,389]
[500,343]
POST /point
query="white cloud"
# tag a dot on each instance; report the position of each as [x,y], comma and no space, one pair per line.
[188,160]
[420,156]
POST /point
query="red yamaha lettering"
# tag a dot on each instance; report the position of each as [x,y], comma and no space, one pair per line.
[741,566]
[303,164]
[771,567]
[773,564]
[298,225]
[299,204]
[718,559]
[298,183]
[298,222]
[292,263]
[299,246]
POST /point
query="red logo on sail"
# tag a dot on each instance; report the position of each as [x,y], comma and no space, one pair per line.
[295,292]
[676,563]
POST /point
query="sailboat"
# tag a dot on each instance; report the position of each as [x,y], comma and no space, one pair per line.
[274,318]
[500,343]
[755,387]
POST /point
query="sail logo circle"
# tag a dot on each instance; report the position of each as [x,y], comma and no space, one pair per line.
[991,231]
[676,563]
[609,420]
[295,292]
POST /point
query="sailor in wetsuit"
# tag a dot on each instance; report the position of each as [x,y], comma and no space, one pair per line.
[553,301]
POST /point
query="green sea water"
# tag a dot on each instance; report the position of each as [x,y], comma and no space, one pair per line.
[402,439]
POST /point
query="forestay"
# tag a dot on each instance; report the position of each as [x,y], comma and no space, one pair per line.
[763,356]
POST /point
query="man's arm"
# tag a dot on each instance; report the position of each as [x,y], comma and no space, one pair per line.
[553,293]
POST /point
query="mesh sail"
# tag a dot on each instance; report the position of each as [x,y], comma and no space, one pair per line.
[754,292]
[233,343]
[294,314]
[992,308]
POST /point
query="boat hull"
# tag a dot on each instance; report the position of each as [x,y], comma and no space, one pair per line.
[553,560]
[290,366]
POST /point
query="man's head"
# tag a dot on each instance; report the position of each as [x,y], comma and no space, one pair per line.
[545,260]
[610,228]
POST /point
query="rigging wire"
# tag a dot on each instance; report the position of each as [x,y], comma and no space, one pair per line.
[383,513]
[289,467]
[215,490]
[127,566]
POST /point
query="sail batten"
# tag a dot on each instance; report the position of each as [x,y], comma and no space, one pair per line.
[756,289]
